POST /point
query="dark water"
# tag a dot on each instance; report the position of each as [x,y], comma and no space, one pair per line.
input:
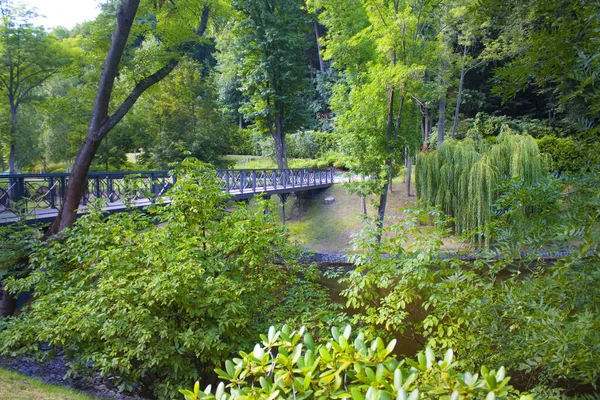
[407,344]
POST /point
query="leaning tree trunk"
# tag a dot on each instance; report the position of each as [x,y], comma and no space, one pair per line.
[101,122]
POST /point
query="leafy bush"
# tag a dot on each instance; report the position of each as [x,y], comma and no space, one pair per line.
[302,144]
[541,319]
[289,365]
[487,126]
[17,241]
[158,300]
[570,155]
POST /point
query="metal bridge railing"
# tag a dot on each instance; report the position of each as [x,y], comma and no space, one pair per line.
[35,192]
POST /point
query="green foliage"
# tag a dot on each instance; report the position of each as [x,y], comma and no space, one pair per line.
[290,365]
[485,126]
[570,155]
[550,46]
[463,177]
[28,57]
[158,300]
[17,241]
[180,121]
[261,53]
[539,318]
[302,144]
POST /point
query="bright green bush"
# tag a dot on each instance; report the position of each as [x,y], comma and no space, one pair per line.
[158,300]
[488,126]
[290,365]
[570,155]
[303,144]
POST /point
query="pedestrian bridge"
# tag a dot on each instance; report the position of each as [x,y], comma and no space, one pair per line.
[38,197]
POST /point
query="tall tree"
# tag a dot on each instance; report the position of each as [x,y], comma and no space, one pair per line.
[163,51]
[381,47]
[265,48]
[551,47]
[28,57]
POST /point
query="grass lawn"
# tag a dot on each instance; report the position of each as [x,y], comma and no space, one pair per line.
[14,386]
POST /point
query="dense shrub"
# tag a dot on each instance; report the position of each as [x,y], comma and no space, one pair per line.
[290,365]
[302,144]
[487,126]
[570,155]
[158,300]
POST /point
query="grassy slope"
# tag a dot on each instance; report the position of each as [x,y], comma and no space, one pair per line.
[14,386]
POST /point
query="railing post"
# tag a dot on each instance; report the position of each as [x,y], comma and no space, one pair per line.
[253,181]
[18,188]
[284,178]
[265,180]
[242,180]
[97,192]
[52,192]
[153,188]
[62,189]
[227,185]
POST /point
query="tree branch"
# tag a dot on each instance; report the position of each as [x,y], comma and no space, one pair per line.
[135,94]
[20,97]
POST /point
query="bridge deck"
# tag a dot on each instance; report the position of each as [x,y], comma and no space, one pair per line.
[43,205]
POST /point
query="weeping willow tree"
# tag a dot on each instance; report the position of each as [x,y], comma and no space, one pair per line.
[462,177]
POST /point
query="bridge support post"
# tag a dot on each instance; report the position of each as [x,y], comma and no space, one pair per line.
[283,197]
[299,198]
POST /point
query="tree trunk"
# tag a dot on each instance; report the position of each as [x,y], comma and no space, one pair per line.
[11,159]
[321,62]
[441,121]
[279,137]
[14,109]
[388,161]
[460,90]
[408,173]
[101,123]
[426,127]
[7,302]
